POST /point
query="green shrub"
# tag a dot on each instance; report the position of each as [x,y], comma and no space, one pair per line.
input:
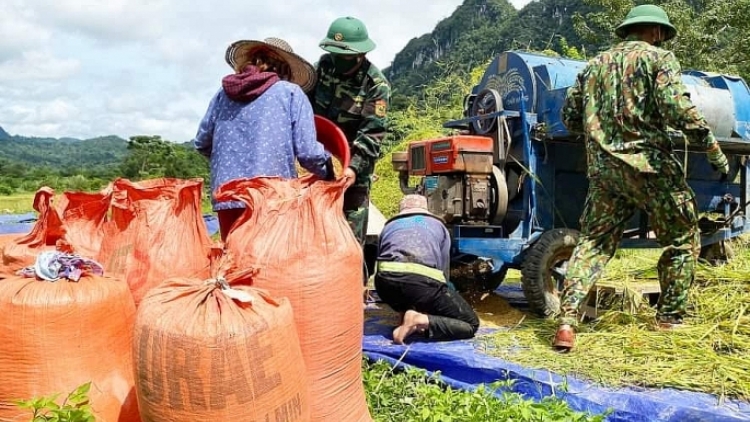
[410,395]
[75,407]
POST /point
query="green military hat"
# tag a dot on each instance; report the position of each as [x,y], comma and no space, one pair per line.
[347,35]
[646,14]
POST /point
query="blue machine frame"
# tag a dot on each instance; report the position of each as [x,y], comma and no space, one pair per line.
[532,88]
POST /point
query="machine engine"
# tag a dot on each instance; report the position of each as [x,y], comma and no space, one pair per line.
[456,176]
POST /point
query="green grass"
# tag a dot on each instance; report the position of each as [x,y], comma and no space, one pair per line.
[711,354]
[17,203]
[412,396]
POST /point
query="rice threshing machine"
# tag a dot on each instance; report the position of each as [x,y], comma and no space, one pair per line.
[511,183]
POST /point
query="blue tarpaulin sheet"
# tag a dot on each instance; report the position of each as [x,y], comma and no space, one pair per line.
[23,223]
[465,365]
[17,223]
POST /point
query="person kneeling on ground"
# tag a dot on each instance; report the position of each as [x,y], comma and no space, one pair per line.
[411,276]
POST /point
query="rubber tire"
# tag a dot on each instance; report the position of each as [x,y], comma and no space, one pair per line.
[552,248]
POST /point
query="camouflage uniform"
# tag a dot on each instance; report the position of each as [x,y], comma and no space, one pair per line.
[622,102]
[358,104]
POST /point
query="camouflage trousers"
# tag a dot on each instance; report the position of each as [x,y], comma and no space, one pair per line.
[357,205]
[614,195]
[357,210]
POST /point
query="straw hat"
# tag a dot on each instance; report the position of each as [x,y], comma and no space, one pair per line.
[303,73]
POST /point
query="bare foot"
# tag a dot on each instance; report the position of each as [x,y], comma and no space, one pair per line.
[413,322]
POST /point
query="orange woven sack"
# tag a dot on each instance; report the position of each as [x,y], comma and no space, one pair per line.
[83,215]
[7,238]
[295,234]
[205,351]
[75,222]
[156,231]
[56,336]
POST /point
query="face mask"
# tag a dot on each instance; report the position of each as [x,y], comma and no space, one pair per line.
[659,39]
[342,65]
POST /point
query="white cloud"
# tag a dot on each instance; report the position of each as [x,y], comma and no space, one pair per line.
[109,20]
[56,111]
[87,68]
[35,65]
[18,30]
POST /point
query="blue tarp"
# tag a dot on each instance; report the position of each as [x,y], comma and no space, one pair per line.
[462,364]
[212,223]
[17,223]
[23,223]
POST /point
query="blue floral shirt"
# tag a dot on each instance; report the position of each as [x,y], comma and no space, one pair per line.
[260,138]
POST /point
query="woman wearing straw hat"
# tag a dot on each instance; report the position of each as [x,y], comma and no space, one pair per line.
[260,121]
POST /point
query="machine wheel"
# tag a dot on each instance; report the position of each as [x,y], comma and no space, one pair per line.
[543,269]
[487,101]
[717,253]
[499,204]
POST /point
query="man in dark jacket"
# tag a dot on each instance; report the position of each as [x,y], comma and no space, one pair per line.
[412,271]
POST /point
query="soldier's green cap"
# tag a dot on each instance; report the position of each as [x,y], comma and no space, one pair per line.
[347,35]
[646,14]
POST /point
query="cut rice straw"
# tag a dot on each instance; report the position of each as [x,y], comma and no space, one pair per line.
[710,354]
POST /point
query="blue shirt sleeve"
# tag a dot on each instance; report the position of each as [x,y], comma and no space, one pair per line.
[203,141]
[310,153]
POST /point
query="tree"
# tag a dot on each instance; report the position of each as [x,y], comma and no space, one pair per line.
[151,156]
[712,35]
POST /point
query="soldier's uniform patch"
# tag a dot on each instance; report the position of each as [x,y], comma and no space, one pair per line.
[380,108]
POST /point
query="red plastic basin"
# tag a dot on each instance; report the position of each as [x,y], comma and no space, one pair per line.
[333,139]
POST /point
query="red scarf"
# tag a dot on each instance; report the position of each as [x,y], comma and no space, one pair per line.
[248,85]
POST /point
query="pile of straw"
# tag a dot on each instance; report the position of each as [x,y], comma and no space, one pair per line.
[711,354]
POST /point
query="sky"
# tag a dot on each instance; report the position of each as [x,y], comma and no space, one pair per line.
[88,68]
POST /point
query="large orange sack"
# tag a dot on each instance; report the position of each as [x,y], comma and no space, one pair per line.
[56,336]
[295,234]
[156,231]
[212,351]
[74,221]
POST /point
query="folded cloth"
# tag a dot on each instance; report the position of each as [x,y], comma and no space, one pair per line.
[54,265]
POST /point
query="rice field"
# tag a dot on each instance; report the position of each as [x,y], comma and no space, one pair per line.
[17,203]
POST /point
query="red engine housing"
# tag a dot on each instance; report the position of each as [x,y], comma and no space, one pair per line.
[452,154]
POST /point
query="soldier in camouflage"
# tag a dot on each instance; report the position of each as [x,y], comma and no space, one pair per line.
[622,102]
[353,93]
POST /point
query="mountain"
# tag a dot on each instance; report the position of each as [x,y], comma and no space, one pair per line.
[62,153]
[477,31]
